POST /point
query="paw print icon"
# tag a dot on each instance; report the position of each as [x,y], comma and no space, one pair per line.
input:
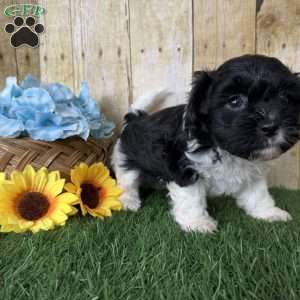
[24,33]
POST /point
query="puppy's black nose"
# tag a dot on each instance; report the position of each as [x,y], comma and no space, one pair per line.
[268,128]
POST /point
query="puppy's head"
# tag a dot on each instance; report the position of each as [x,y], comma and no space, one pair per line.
[249,106]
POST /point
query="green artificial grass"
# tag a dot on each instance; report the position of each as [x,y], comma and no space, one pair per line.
[144,255]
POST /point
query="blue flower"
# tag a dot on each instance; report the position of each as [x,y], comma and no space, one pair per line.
[88,106]
[10,127]
[45,126]
[59,92]
[105,129]
[36,99]
[50,112]
[51,127]
[29,82]
[11,90]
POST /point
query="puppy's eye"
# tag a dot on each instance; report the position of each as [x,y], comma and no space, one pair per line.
[237,102]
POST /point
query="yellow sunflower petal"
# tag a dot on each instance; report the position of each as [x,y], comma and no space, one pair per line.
[43,169]
[99,211]
[113,191]
[58,217]
[47,223]
[105,212]
[74,211]
[83,208]
[19,181]
[96,214]
[9,192]
[79,174]
[40,180]
[2,176]
[70,187]
[42,224]
[95,170]
[53,188]
[29,175]
[11,228]
[68,198]
[54,175]
[112,204]
[109,183]
[102,176]
[9,217]
[38,226]
[66,208]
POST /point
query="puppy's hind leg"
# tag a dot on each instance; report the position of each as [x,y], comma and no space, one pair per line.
[127,180]
[189,207]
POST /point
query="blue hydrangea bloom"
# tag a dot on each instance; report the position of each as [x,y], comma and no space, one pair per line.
[50,112]
[10,127]
[6,95]
[59,92]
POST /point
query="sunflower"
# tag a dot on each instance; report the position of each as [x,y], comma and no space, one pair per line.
[97,191]
[32,200]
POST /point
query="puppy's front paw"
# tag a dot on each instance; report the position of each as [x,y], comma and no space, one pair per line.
[130,202]
[204,224]
[273,214]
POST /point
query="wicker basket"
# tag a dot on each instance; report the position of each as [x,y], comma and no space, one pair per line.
[60,155]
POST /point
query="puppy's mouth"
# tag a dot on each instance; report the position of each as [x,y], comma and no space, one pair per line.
[273,147]
[269,153]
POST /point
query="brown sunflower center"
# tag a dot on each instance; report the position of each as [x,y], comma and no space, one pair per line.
[90,195]
[33,205]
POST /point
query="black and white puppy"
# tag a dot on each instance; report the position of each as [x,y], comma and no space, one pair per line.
[243,113]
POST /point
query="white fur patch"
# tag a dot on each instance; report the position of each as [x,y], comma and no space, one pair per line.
[268,153]
[189,207]
[127,180]
[147,101]
[227,175]
[192,145]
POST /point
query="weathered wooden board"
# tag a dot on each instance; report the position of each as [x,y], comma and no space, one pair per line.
[222,29]
[28,59]
[278,34]
[161,38]
[8,66]
[56,53]
[101,52]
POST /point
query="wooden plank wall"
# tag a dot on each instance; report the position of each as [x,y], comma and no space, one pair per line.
[126,47]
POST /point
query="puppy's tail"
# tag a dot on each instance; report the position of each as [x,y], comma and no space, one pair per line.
[146,102]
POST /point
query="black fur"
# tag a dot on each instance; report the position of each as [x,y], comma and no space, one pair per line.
[269,97]
[155,144]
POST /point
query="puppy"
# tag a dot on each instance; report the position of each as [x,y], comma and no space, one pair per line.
[237,116]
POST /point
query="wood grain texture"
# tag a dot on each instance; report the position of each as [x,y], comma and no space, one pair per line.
[8,66]
[278,31]
[161,46]
[278,34]
[222,29]
[27,58]
[28,62]
[101,53]
[56,53]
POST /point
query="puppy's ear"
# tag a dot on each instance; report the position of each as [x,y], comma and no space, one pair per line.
[196,109]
